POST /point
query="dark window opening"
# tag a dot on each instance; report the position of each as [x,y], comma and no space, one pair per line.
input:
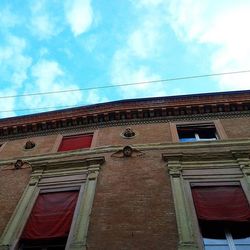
[52,244]
[189,133]
[220,235]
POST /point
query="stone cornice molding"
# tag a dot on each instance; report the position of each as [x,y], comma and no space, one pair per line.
[55,164]
[206,150]
[130,111]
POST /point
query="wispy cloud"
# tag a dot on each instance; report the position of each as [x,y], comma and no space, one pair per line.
[14,63]
[129,62]
[7,104]
[49,76]
[7,18]
[79,15]
[44,24]
[94,96]
[222,24]
[125,72]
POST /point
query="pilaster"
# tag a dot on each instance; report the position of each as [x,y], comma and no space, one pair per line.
[243,161]
[80,230]
[12,232]
[184,224]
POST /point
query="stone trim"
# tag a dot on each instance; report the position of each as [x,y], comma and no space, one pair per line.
[208,168]
[185,229]
[65,169]
[214,146]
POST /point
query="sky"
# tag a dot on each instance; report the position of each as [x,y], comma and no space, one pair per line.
[57,45]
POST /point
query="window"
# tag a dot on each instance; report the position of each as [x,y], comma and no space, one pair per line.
[53,212]
[223,214]
[194,132]
[49,224]
[75,142]
[225,235]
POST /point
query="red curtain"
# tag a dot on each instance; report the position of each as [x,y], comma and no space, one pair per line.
[227,203]
[51,216]
[75,142]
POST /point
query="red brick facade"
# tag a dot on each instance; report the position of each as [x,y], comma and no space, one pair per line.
[133,205]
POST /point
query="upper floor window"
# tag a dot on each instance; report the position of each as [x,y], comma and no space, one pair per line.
[197,132]
[223,213]
[75,142]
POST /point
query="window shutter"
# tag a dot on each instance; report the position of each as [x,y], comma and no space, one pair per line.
[223,203]
[75,142]
[51,216]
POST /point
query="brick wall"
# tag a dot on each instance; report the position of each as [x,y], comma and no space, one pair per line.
[146,133]
[12,185]
[237,128]
[15,148]
[133,206]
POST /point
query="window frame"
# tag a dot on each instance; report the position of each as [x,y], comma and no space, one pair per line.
[205,183]
[64,175]
[202,167]
[68,134]
[220,132]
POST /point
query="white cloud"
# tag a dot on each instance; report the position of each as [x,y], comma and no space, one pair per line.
[14,64]
[44,24]
[222,24]
[144,39]
[79,15]
[49,76]
[93,97]
[7,104]
[7,18]
[142,44]
[124,72]
[146,3]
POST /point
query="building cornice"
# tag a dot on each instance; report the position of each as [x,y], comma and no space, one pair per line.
[129,111]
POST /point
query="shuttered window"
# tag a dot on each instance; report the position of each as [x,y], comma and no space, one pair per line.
[75,142]
[51,216]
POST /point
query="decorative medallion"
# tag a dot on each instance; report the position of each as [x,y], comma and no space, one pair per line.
[18,164]
[29,145]
[128,133]
[126,152]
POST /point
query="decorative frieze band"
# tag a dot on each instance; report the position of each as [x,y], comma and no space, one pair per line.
[53,122]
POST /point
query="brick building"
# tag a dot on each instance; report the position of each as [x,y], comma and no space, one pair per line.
[154,173]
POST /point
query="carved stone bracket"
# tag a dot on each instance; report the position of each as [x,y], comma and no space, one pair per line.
[127,151]
[173,164]
[242,158]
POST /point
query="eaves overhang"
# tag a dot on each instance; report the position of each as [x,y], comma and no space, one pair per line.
[128,110]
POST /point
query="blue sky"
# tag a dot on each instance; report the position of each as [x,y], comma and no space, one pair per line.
[54,45]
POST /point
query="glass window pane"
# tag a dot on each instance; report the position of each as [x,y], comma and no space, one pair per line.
[208,241]
[241,233]
[207,133]
[187,139]
[242,247]
[245,241]
[216,248]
